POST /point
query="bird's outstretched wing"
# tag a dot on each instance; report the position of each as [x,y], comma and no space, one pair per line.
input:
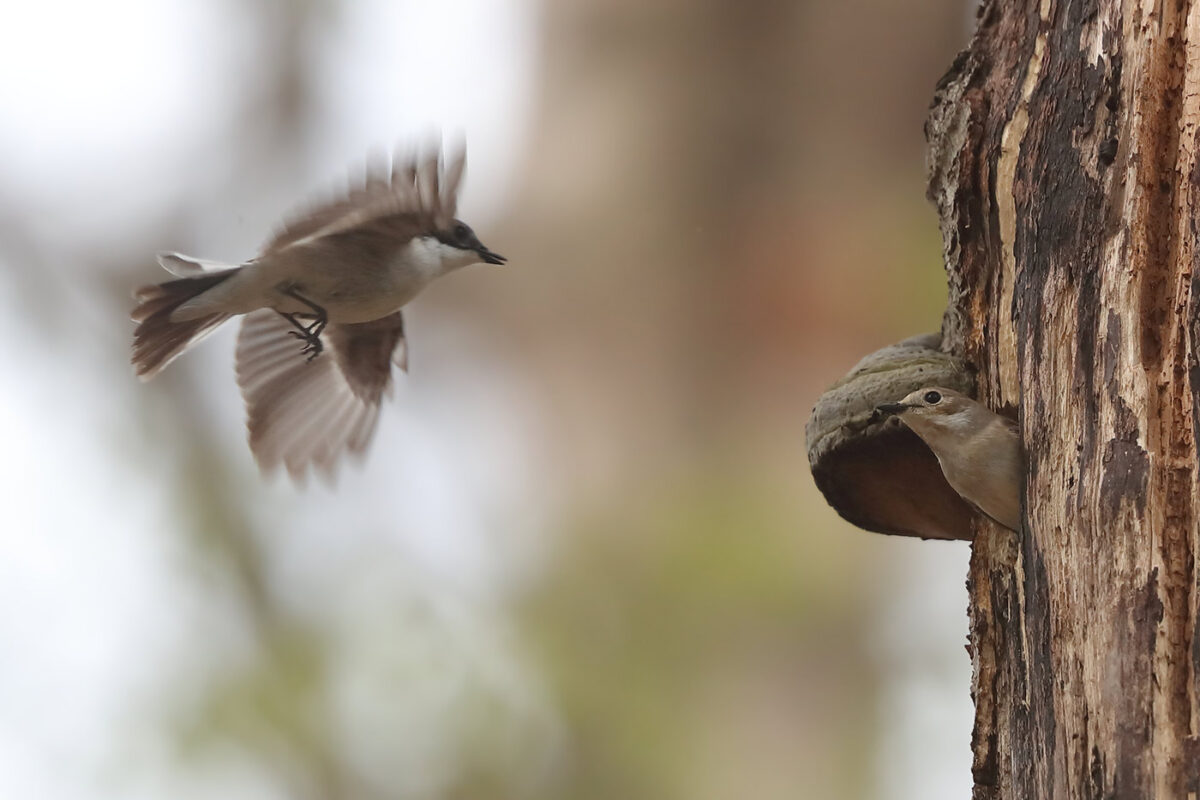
[416,189]
[304,414]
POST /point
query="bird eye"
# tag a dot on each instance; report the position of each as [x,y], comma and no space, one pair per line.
[462,232]
[933,398]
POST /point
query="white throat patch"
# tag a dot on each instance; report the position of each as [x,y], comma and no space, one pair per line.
[431,257]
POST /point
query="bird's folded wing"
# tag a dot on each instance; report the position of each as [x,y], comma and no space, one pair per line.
[304,414]
[416,189]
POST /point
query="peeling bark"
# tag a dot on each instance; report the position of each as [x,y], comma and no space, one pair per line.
[1063,162]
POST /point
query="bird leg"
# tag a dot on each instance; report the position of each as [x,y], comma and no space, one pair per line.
[310,334]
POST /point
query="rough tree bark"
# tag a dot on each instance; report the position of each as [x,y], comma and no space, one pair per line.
[1063,161]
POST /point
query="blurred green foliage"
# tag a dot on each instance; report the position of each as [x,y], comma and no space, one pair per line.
[687,592]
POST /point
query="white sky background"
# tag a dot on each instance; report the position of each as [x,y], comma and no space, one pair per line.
[96,117]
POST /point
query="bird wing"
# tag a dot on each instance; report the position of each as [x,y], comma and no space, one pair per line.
[305,414]
[418,189]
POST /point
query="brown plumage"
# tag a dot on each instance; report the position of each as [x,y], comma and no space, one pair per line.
[299,413]
[416,194]
[979,450]
[157,341]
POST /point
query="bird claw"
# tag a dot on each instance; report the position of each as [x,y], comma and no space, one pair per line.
[312,343]
[310,334]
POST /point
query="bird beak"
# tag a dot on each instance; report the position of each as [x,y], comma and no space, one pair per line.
[488,257]
[888,409]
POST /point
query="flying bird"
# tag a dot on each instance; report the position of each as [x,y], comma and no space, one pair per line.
[322,303]
[979,450]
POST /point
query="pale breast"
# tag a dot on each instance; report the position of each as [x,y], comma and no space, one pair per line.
[351,287]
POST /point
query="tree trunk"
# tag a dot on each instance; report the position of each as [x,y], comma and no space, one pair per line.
[1063,161]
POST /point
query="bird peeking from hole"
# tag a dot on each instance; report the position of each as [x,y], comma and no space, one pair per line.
[979,450]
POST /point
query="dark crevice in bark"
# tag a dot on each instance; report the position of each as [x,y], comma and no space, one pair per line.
[1033,739]
[1193,372]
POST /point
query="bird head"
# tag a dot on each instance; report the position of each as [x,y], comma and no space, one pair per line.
[464,246]
[933,407]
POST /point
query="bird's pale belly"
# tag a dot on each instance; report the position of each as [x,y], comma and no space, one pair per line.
[346,300]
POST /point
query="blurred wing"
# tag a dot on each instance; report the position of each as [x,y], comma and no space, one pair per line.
[306,414]
[418,189]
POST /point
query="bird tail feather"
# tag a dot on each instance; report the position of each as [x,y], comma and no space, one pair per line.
[158,340]
[182,266]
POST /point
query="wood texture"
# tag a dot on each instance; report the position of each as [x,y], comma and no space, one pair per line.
[1063,164]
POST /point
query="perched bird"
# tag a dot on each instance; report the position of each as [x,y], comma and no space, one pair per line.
[322,301]
[979,450]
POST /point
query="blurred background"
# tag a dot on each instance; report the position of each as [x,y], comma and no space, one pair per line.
[584,557]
